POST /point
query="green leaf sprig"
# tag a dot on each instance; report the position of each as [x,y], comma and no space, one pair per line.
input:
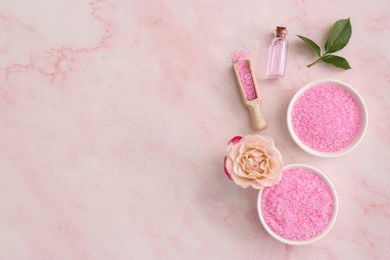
[338,38]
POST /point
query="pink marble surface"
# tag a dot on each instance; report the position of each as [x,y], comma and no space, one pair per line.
[114,118]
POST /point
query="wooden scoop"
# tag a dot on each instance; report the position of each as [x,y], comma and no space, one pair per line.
[258,121]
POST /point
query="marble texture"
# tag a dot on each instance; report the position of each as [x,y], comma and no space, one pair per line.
[114,119]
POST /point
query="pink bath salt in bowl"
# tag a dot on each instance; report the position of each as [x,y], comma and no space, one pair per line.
[301,208]
[327,118]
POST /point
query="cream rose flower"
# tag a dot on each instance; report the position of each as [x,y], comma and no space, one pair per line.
[253,161]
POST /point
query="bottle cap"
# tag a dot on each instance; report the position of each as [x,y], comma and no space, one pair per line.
[280,32]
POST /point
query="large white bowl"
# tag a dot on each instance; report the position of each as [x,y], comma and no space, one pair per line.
[358,138]
[331,222]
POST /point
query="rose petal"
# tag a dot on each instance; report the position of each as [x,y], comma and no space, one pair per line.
[247,166]
[250,138]
[243,182]
[233,151]
[235,139]
[253,174]
[243,148]
[225,169]
[256,185]
[268,182]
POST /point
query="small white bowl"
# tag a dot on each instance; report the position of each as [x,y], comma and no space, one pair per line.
[331,222]
[358,138]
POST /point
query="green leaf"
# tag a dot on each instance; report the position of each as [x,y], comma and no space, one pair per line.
[312,44]
[337,61]
[338,36]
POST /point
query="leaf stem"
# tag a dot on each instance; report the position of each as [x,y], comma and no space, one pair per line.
[311,64]
[319,59]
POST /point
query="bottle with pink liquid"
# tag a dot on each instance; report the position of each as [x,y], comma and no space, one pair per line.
[277,55]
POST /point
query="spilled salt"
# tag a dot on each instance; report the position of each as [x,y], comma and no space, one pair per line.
[240,58]
[326,118]
[240,55]
[299,207]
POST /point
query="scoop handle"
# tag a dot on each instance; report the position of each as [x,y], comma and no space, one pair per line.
[258,121]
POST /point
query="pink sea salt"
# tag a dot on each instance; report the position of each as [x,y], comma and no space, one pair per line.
[240,59]
[299,207]
[326,118]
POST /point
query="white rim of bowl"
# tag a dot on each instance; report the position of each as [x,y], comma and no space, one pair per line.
[331,222]
[358,138]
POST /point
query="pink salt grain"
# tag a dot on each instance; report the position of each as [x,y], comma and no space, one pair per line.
[299,207]
[326,118]
[240,58]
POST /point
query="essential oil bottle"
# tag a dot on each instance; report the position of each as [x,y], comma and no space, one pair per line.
[277,55]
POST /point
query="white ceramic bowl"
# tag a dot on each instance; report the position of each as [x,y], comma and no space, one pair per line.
[331,222]
[358,138]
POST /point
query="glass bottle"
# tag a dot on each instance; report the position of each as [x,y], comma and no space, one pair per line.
[277,55]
